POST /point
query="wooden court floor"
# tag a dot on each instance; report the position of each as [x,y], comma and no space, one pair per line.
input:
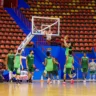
[42,89]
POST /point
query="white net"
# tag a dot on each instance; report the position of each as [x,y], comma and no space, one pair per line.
[48,37]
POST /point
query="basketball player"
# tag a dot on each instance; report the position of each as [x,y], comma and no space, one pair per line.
[69,47]
[45,72]
[17,65]
[55,71]
[92,68]
[49,61]
[84,65]
[30,65]
[10,64]
[68,67]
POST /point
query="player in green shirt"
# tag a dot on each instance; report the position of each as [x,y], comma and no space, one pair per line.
[45,72]
[68,67]
[30,65]
[10,64]
[68,48]
[17,65]
[84,65]
[49,61]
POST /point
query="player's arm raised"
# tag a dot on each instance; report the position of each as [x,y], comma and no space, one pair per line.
[65,43]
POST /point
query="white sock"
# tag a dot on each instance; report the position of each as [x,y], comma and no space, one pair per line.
[32,78]
[10,75]
[42,77]
[57,77]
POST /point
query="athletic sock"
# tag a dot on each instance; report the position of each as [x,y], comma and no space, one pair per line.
[10,75]
[57,77]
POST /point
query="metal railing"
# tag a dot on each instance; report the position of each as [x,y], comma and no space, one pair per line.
[23,18]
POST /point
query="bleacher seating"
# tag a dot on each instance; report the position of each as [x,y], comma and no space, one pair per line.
[78,19]
[11,35]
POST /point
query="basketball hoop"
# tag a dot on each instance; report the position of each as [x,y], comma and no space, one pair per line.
[46,26]
[42,24]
